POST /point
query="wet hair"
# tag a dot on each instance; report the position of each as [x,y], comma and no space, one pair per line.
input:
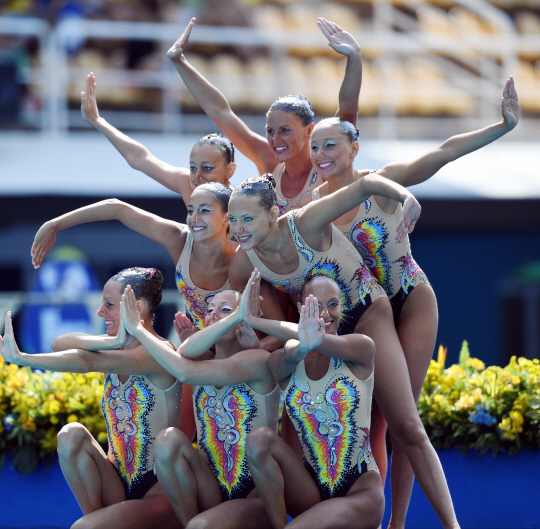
[220,193]
[312,277]
[346,127]
[222,144]
[261,187]
[146,284]
[296,105]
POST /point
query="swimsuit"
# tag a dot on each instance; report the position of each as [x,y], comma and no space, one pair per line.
[372,232]
[332,417]
[359,288]
[135,412]
[287,204]
[197,299]
[224,418]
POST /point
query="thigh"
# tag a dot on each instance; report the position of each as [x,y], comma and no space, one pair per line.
[417,331]
[361,508]
[154,510]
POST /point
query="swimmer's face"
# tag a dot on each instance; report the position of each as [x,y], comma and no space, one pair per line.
[286,135]
[331,151]
[329,299]
[250,221]
[109,309]
[205,217]
[221,306]
[206,164]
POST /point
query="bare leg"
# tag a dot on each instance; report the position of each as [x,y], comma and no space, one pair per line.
[89,473]
[361,508]
[184,475]
[281,478]
[417,331]
[154,510]
[395,398]
[377,436]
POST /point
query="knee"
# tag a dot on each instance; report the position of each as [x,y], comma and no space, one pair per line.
[85,523]
[258,442]
[71,438]
[409,432]
[201,522]
[169,443]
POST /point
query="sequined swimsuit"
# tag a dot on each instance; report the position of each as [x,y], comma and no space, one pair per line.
[359,288]
[224,418]
[332,417]
[197,299]
[372,232]
[135,412]
[288,204]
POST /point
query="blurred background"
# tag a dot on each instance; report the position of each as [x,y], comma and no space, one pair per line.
[431,69]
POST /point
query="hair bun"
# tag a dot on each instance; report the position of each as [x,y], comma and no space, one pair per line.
[270,178]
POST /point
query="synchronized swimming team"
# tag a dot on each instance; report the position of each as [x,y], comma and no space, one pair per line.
[300,284]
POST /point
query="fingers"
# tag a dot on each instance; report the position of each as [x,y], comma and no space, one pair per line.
[411,226]
[8,326]
[327,32]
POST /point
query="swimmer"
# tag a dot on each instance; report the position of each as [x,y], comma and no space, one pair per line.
[140,398]
[233,393]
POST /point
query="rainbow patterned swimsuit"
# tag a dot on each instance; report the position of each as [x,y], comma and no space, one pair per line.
[135,412]
[224,417]
[332,417]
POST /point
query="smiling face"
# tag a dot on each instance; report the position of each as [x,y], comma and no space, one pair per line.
[286,135]
[250,222]
[206,164]
[221,306]
[110,306]
[329,298]
[331,151]
[205,217]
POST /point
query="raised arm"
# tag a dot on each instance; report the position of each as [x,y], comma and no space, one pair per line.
[217,108]
[317,216]
[171,235]
[425,166]
[344,43]
[133,361]
[136,155]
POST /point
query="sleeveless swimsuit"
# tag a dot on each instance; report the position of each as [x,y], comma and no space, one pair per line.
[359,288]
[197,299]
[135,412]
[332,417]
[372,232]
[224,418]
[287,204]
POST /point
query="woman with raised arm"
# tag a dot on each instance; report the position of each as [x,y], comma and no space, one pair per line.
[140,398]
[327,383]
[285,151]
[371,227]
[233,393]
[288,249]
[211,159]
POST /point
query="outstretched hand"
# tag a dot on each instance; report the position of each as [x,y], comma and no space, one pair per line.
[8,346]
[510,104]
[128,310]
[409,217]
[43,242]
[250,302]
[178,48]
[246,336]
[311,329]
[338,39]
[183,327]
[89,108]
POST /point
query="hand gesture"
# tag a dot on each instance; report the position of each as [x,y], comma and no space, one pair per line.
[246,336]
[123,338]
[338,39]
[183,327]
[128,310]
[8,347]
[310,328]
[43,242]
[89,109]
[510,104]
[250,302]
[178,48]
[409,216]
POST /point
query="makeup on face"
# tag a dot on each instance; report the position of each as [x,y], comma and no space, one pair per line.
[206,164]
